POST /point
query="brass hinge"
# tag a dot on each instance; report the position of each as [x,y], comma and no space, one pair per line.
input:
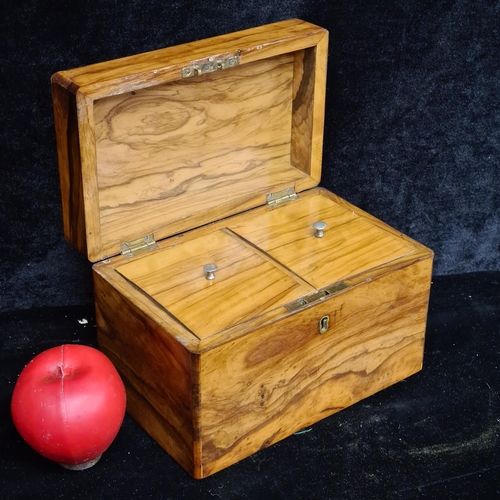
[314,297]
[140,245]
[280,197]
[210,65]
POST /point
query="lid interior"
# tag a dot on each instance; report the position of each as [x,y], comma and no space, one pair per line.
[180,154]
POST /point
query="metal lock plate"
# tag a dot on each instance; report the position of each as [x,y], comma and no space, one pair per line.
[315,297]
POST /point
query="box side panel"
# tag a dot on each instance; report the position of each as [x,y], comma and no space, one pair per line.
[68,152]
[158,373]
[259,389]
[308,115]
[91,194]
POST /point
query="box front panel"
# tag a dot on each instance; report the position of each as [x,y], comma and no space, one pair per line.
[267,385]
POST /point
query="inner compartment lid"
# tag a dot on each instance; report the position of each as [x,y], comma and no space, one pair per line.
[145,147]
[245,284]
[269,261]
[351,244]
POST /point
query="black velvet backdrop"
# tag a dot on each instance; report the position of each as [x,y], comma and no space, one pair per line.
[412,131]
[412,135]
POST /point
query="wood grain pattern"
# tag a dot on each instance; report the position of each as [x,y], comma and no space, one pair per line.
[260,389]
[70,176]
[309,86]
[171,154]
[284,262]
[318,107]
[216,370]
[246,285]
[159,380]
[175,153]
[351,244]
[186,337]
[164,65]
[88,165]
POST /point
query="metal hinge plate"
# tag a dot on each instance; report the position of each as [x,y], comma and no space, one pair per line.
[210,65]
[280,197]
[140,245]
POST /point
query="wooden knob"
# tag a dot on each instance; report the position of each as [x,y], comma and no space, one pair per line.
[320,229]
[210,271]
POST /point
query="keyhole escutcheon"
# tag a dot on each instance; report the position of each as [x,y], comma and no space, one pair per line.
[323,324]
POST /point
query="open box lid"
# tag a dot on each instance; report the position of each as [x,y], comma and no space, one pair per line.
[162,142]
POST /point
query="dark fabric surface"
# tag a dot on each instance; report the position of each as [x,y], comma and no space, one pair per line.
[412,135]
[435,435]
[412,130]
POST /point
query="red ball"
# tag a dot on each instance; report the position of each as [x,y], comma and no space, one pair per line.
[68,404]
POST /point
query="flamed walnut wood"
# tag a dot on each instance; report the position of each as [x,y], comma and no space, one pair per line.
[245,286]
[68,150]
[153,68]
[350,246]
[111,271]
[181,150]
[216,370]
[283,262]
[263,379]
[155,153]
[262,388]
[157,369]
[259,388]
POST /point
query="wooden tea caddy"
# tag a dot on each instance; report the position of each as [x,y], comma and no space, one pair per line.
[209,153]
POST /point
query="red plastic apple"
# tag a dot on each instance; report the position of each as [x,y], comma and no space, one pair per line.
[68,404]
